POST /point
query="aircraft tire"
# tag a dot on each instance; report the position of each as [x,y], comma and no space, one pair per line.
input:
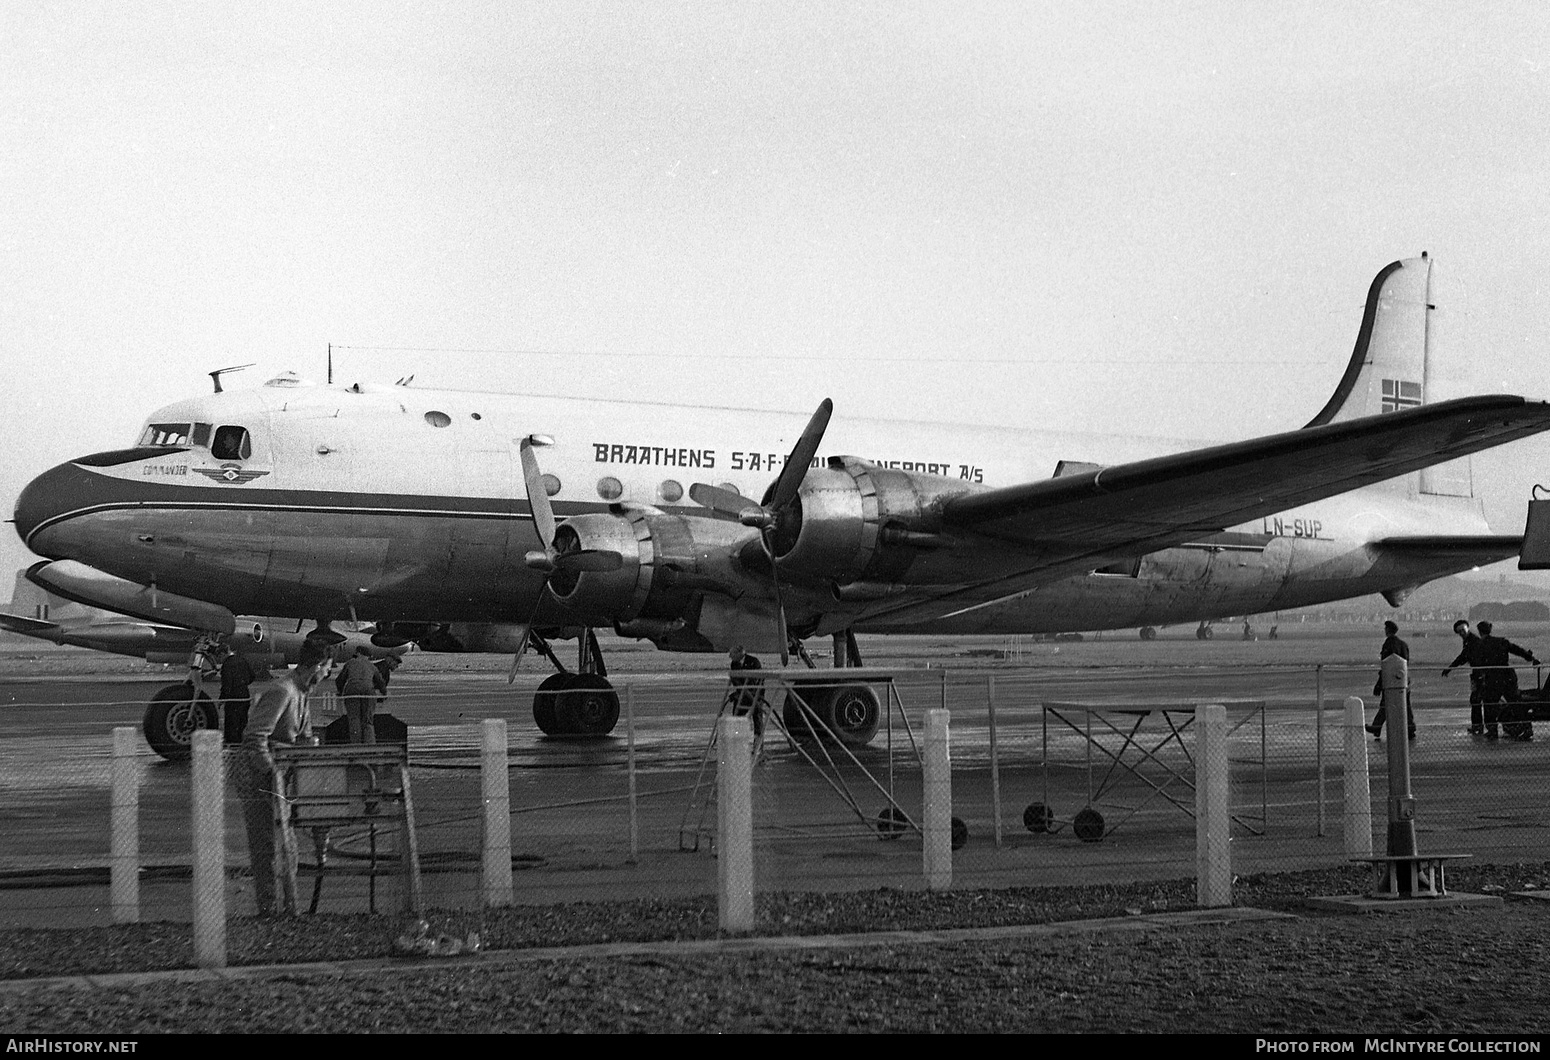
[1148,632]
[854,714]
[849,711]
[960,833]
[798,723]
[546,699]
[171,717]
[588,706]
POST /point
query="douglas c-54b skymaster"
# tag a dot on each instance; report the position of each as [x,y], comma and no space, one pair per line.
[501,522]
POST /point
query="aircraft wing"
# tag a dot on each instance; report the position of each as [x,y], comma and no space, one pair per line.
[1150,504]
[1062,524]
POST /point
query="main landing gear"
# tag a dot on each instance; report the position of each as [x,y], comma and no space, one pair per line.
[576,704]
[848,711]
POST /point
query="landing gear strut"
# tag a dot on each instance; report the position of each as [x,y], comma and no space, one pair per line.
[576,704]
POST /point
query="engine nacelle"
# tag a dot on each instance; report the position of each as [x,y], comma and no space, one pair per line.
[854,521]
[667,559]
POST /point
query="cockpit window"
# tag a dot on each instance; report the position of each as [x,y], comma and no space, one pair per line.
[201,434]
[166,435]
[231,443]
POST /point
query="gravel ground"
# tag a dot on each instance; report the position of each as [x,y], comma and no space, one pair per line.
[1431,972]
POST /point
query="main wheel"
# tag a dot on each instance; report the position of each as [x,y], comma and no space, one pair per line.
[588,707]
[854,714]
[1038,817]
[799,723]
[1088,825]
[171,718]
[545,701]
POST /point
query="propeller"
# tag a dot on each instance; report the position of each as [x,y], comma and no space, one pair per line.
[567,557]
[779,510]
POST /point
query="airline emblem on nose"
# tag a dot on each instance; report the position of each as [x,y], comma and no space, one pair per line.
[235,474]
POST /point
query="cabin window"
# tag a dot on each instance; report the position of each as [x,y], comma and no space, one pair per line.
[438,419]
[166,435]
[551,485]
[231,443]
[610,488]
[730,487]
[671,490]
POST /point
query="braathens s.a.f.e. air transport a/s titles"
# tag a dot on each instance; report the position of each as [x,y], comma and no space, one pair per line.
[503,522]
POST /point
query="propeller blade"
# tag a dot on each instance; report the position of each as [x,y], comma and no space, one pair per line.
[720,500]
[589,559]
[795,469]
[537,496]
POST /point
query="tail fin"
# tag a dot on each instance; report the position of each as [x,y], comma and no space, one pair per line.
[1393,365]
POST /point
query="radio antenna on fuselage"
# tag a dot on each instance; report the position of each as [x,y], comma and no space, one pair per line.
[215,376]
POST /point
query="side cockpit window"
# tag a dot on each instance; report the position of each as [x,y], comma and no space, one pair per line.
[231,443]
[166,435]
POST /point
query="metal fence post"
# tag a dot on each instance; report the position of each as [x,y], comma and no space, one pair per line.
[995,764]
[124,879]
[629,731]
[496,784]
[734,824]
[937,815]
[1318,739]
[1213,821]
[209,824]
[1358,796]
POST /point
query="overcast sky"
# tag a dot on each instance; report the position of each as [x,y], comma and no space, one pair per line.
[1163,217]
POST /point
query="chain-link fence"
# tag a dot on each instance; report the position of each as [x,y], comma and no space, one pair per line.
[1065,776]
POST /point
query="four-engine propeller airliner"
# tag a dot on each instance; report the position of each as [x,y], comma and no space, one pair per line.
[509,520]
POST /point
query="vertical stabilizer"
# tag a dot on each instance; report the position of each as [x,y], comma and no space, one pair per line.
[1394,365]
[1387,371]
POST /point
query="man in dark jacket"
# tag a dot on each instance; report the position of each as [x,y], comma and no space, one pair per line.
[1392,645]
[237,676]
[1499,685]
[1469,655]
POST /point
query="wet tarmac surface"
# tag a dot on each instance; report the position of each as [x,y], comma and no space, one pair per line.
[576,835]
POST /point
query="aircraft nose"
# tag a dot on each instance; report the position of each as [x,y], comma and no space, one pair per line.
[48,500]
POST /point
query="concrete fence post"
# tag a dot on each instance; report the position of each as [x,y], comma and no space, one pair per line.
[937,815]
[124,874]
[734,824]
[495,784]
[1213,820]
[1358,794]
[209,824]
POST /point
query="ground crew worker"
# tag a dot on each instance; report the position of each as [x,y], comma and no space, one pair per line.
[237,676]
[1392,645]
[747,695]
[280,717]
[360,684]
[1499,686]
[1469,653]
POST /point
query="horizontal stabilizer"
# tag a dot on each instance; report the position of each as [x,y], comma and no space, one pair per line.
[1480,548]
[31,626]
